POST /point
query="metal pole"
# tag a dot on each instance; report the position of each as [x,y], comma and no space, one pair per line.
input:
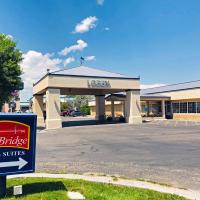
[2,186]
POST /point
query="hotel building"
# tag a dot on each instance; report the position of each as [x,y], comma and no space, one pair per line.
[179,101]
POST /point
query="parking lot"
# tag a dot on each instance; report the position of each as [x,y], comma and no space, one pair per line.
[162,151]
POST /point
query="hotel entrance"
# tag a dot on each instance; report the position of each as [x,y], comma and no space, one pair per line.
[155,106]
[168,110]
[151,109]
[84,81]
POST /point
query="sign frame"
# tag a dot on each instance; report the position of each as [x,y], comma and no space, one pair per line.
[19,164]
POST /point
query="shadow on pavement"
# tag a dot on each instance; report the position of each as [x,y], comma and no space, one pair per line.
[40,128]
[87,122]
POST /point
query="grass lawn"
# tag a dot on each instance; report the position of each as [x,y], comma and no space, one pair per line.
[55,189]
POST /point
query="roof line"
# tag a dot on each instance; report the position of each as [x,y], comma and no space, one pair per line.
[62,70]
[172,90]
[49,74]
[95,76]
[88,67]
[147,95]
[171,84]
[40,79]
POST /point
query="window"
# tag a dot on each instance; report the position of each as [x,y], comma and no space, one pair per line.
[183,107]
[144,107]
[191,107]
[176,107]
[198,107]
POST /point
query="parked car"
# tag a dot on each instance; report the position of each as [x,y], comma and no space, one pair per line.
[77,113]
[66,113]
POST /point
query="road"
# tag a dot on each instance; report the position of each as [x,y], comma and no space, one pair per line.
[165,152]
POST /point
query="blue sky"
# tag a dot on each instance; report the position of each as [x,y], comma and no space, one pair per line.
[156,39]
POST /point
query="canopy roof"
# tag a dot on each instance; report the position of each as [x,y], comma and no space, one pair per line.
[84,80]
[172,87]
[88,71]
[122,95]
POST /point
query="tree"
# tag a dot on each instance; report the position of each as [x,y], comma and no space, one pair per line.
[82,100]
[85,109]
[10,70]
[66,106]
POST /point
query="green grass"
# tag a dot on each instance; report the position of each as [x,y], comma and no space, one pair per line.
[55,189]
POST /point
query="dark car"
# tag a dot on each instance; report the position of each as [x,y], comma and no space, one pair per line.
[66,113]
[77,113]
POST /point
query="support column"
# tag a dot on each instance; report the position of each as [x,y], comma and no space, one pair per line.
[38,108]
[133,110]
[53,119]
[17,105]
[5,108]
[113,109]
[148,108]
[163,108]
[100,107]
[124,108]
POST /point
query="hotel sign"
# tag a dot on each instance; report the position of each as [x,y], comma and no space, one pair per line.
[99,84]
[17,143]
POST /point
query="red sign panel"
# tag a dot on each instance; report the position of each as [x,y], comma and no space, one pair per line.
[14,134]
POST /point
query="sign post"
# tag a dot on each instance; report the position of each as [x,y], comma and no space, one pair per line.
[17,146]
[2,186]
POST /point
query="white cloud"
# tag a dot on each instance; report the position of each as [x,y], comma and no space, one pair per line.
[107,28]
[100,2]
[10,36]
[77,47]
[90,58]
[86,24]
[69,60]
[34,66]
[146,86]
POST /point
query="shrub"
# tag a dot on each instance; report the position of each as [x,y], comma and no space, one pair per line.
[85,109]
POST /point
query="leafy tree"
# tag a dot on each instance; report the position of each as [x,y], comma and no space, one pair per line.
[66,105]
[85,109]
[10,70]
[82,100]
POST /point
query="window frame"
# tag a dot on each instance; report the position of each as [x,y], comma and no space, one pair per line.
[184,109]
[195,107]
[177,108]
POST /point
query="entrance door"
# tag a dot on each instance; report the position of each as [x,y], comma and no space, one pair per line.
[168,110]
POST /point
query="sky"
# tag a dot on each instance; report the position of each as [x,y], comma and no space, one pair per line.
[158,40]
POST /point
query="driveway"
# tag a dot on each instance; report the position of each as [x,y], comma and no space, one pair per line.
[165,151]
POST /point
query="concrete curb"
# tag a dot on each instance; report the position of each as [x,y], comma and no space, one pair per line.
[189,194]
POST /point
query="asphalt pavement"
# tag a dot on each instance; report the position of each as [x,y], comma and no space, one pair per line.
[163,151]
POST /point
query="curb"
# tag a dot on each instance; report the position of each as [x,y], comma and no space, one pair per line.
[189,194]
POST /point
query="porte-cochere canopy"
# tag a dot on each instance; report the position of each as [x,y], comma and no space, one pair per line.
[84,81]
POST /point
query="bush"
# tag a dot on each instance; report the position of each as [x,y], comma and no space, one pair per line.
[109,119]
[85,109]
[122,119]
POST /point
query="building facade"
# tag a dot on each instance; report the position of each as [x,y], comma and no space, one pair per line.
[184,103]
[177,101]
[84,80]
